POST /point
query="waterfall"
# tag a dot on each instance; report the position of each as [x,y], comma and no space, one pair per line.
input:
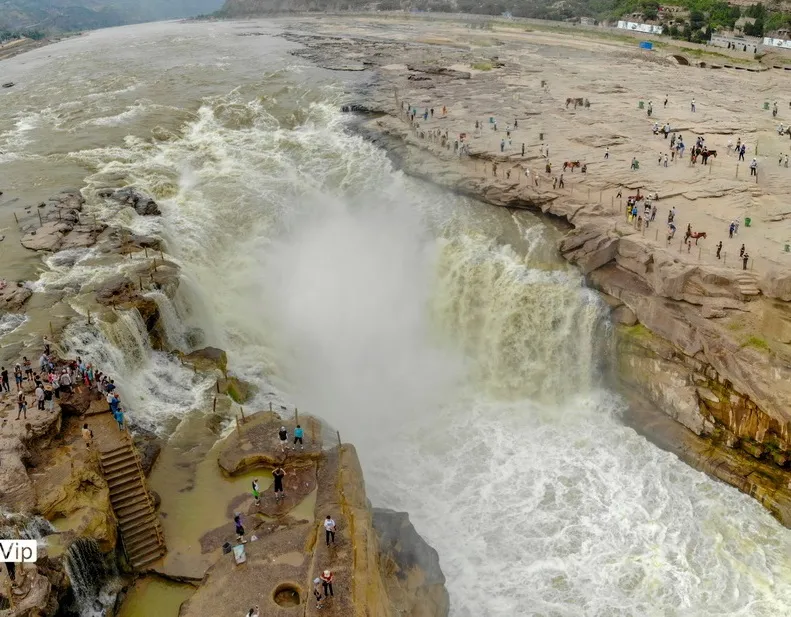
[528,331]
[93,579]
[170,321]
[155,387]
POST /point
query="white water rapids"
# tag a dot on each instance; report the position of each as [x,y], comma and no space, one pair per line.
[467,373]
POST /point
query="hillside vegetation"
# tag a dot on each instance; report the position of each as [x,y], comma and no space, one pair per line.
[39,17]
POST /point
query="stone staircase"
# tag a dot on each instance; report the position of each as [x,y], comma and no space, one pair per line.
[141,533]
[747,282]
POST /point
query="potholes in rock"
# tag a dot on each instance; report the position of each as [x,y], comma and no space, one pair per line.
[287,594]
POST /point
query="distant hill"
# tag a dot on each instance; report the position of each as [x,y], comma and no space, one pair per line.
[51,16]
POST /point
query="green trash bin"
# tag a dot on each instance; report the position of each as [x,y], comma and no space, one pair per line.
[747,221]
[788,248]
[766,104]
[640,105]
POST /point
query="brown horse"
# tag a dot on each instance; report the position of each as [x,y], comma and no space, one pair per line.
[571,165]
[697,235]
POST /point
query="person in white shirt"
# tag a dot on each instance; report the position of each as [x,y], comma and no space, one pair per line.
[329,529]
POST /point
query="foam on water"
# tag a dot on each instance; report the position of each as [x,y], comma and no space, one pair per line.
[467,373]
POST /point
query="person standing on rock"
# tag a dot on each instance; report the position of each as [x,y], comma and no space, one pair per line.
[719,249]
[785,164]
[4,380]
[523,154]
[560,181]
[742,150]
[87,435]
[40,396]
[237,521]
[65,381]
[329,530]
[327,579]
[28,368]
[693,106]
[731,229]
[283,434]
[666,98]
[502,145]
[256,493]
[43,363]
[317,592]
[22,403]
[745,259]
[741,251]
[665,159]
[754,167]
[298,436]
[49,399]
[606,153]
[253,612]
[279,473]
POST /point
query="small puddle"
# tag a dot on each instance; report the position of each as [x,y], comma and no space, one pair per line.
[153,596]
[305,509]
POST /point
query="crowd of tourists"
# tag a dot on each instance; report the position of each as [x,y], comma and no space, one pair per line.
[56,379]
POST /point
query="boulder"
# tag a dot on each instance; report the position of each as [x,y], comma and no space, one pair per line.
[416,584]
[148,446]
[142,203]
[14,296]
[207,359]
[48,237]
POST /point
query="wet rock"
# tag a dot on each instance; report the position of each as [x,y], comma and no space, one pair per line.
[239,390]
[439,70]
[207,359]
[417,584]
[357,109]
[48,237]
[14,296]
[142,203]
[148,446]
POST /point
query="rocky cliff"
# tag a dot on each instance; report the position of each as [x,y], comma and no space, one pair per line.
[380,564]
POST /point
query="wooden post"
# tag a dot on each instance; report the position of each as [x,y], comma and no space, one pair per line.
[141,282]
[737,170]
[89,317]
[214,405]
[338,433]
[242,410]
[145,248]
[600,195]
[161,255]
[270,406]
[59,215]
[589,193]
[38,211]
[700,250]
[50,330]
[16,219]
[296,415]
[238,426]
[217,383]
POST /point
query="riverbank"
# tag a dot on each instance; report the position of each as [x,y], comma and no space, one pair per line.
[702,335]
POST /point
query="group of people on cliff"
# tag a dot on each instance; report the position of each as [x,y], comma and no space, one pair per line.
[55,379]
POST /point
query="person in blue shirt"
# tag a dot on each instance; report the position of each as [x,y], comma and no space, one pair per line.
[298,434]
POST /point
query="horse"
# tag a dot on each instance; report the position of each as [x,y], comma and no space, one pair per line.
[697,235]
[571,165]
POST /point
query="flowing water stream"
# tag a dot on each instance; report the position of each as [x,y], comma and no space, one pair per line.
[441,336]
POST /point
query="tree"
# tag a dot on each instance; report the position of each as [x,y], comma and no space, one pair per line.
[755,29]
[756,10]
[696,20]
